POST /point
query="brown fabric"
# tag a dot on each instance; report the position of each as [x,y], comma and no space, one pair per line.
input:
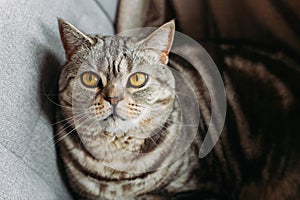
[273,23]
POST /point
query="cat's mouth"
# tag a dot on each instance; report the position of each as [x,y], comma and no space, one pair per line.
[114,116]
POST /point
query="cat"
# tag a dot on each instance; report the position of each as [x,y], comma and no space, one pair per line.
[118,104]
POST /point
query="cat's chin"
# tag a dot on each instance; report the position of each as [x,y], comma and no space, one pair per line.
[118,125]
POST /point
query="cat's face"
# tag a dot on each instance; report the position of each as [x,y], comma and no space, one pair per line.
[116,84]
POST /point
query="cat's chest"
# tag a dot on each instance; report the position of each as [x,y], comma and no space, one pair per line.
[174,178]
[108,183]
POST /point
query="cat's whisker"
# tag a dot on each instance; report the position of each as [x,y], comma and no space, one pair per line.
[65,127]
[68,133]
[182,124]
[163,141]
[153,141]
[63,106]
[59,105]
[60,131]
[64,120]
[52,101]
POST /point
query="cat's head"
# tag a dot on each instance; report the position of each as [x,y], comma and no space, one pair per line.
[119,85]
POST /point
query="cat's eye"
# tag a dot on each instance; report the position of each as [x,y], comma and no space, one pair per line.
[137,80]
[90,79]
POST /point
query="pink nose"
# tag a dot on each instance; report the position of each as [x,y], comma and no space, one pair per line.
[113,100]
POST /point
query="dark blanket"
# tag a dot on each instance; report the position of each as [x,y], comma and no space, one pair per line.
[271,23]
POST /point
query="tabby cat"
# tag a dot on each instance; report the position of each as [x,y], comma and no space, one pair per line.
[118,104]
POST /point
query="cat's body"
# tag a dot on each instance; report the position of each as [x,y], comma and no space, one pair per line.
[257,155]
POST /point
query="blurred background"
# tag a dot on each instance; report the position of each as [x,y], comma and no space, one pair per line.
[267,23]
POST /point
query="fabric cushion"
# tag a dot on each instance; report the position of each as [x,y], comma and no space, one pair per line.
[30,56]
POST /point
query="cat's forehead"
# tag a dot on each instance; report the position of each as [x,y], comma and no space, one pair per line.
[110,52]
[113,54]
[114,45]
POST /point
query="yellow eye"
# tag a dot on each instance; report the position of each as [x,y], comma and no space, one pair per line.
[137,80]
[90,79]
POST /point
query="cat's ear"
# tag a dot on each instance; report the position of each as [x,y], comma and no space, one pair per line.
[72,38]
[161,40]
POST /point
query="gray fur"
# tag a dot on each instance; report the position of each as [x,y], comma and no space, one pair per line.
[145,115]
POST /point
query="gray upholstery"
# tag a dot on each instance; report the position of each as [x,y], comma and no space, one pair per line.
[30,56]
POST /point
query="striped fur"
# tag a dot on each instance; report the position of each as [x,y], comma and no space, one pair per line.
[257,156]
[93,143]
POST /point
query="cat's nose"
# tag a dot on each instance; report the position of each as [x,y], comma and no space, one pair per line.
[113,100]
